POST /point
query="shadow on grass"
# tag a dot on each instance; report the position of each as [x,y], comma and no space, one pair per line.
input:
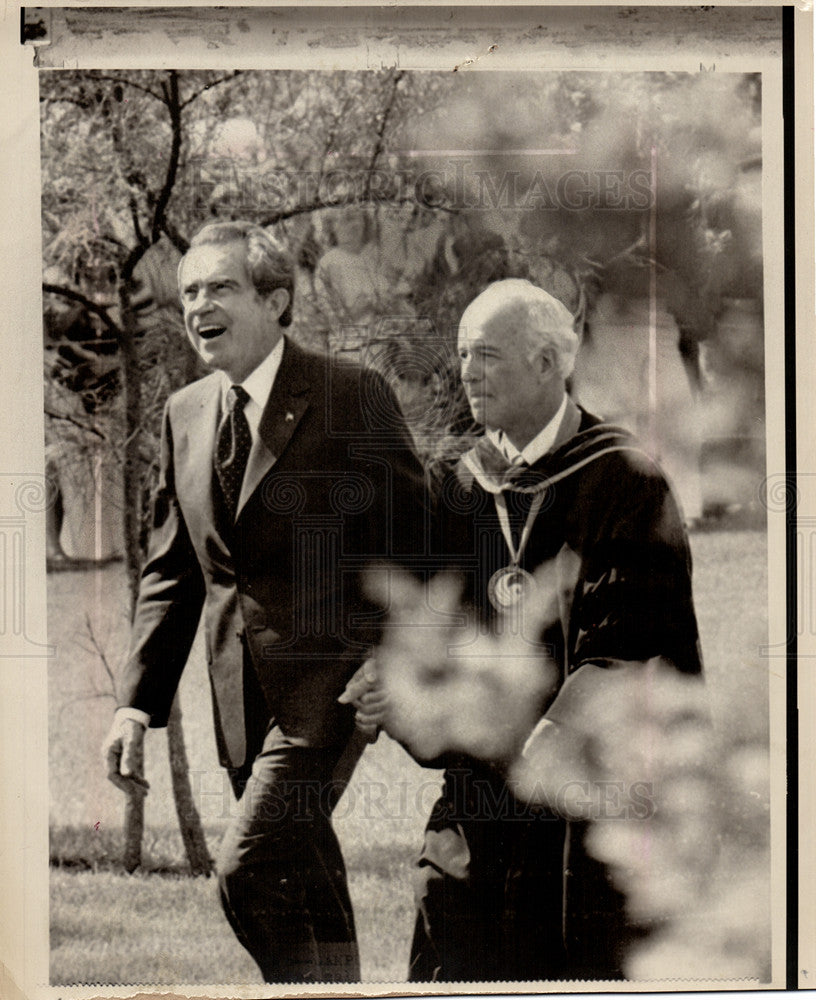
[81,848]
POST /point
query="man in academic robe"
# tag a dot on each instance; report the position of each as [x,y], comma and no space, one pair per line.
[552,507]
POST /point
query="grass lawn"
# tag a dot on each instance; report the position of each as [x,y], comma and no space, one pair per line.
[163,929]
[111,929]
[151,929]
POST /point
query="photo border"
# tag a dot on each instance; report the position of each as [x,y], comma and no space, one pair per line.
[23,749]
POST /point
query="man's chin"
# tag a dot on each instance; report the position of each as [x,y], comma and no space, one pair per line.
[211,350]
[479,412]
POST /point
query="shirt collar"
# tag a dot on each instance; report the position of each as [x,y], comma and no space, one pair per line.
[259,382]
[538,446]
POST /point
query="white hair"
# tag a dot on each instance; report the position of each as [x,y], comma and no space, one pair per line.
[544,320]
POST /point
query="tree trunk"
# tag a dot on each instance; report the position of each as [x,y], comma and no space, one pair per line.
[132,387]
[192,832]
[189,821]
[134,825]
[132,505]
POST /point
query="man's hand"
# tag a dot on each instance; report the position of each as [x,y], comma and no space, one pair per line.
[123,753]
[450,689]
[368,697]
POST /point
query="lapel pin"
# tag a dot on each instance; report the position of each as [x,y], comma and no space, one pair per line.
[289,416]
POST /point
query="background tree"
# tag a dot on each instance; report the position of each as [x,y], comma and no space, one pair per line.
[105,209]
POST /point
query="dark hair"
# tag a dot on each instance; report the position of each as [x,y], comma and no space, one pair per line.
[268,264]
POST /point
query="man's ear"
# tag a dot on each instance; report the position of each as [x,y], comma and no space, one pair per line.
[277,301]
[546,362]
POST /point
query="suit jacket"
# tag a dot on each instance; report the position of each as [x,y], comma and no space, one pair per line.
[331,485]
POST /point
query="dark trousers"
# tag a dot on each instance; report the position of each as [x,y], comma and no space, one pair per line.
[492,904]
[281,874]
[457,936]
[488,887]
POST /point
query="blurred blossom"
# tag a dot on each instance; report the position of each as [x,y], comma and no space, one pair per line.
[450,686]
[679,811]
[696,869]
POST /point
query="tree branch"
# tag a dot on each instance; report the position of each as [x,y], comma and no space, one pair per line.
[92,307]
[77,423]
[163,200]
[100,651]
[85,105]
[141,239]
[129,83]
[175,237]
[195,96]
[158,224]
[379,144]
[95,647]
[85,697]
[316,206]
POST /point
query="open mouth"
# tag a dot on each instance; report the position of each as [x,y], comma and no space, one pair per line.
[210,332]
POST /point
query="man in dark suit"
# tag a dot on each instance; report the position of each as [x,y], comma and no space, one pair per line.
[507,891]
[282,477]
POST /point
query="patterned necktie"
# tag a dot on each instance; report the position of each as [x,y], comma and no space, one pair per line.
[232,446]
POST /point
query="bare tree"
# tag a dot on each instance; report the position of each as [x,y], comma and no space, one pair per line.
[95,106]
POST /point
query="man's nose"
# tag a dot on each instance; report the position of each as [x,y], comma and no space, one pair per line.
[201,303]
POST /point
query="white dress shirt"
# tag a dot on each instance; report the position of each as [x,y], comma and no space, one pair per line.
[258,385]
[535,449]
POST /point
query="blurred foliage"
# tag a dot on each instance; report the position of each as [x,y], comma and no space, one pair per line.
[451,686]
[688,839]
[691,140]
[678,806]
[133,163]
[135,159]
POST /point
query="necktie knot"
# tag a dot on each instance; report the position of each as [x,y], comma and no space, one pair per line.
[237,398]
[494,463]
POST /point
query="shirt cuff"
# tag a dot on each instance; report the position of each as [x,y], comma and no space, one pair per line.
[132,713]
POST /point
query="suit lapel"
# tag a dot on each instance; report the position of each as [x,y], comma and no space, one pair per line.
[284,409]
